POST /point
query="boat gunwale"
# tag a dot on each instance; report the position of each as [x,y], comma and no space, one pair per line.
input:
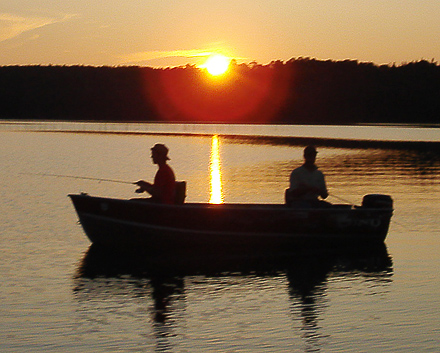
[238,206]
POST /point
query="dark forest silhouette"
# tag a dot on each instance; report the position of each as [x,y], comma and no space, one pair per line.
[299,91]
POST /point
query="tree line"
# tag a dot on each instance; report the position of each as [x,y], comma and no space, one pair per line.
[299,91]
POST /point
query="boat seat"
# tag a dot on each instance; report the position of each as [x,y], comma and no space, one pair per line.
[180,192]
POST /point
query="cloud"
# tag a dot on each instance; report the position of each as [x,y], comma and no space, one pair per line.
[157,54]
[12,26]
[140,58]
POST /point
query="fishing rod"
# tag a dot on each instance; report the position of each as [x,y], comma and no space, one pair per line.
[128,182]
[81,177]
[341,199]
[394,221]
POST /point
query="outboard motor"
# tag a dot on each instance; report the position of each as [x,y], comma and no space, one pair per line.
[377,201]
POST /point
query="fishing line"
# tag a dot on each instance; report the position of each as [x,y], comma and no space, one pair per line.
[81,177]
[403,226]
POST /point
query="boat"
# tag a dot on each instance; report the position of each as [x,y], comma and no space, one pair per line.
[139,224]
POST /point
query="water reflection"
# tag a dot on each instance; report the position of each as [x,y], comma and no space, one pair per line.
[215,173]
[163,282]
[423,164]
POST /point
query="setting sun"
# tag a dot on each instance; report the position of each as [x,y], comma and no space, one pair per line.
[216,64]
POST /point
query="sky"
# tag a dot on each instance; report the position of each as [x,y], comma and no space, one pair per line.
[167,33]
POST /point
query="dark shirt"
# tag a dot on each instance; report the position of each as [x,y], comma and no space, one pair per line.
[165,182]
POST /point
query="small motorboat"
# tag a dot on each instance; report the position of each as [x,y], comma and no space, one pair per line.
[139,224]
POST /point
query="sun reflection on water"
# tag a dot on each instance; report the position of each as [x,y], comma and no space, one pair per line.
[215,173]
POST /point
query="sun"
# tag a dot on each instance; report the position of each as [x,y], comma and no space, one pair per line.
[216,64]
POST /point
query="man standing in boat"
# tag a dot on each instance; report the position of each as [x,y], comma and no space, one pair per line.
[307,183]
[164,187]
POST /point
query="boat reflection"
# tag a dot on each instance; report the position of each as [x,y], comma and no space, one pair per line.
[165,280]
[109,262]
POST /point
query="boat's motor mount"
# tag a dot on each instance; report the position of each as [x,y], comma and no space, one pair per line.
[377,201]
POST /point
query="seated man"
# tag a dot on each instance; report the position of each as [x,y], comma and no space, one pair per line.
[307,183]
[163,189]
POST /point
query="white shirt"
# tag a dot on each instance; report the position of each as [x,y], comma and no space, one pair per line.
[302,176]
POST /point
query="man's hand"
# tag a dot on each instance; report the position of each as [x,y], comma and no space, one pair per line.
[143,186]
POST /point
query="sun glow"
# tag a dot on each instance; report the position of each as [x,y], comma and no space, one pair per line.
[216,64]
[215,173]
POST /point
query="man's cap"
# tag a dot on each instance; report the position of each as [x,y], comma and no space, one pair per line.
[161,150]
[310,150]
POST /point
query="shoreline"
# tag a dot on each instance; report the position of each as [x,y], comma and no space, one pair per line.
[323,135]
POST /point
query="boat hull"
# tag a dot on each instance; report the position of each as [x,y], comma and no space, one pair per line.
[145,225]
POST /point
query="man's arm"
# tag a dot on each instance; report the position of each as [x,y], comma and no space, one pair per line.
[303,189]
[144,186]
[323,189]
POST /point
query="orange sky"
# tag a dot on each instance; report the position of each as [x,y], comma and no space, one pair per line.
[177,32]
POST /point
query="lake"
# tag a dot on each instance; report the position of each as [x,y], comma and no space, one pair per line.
[60,295]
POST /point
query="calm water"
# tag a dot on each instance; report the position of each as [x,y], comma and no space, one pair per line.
[57,295]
